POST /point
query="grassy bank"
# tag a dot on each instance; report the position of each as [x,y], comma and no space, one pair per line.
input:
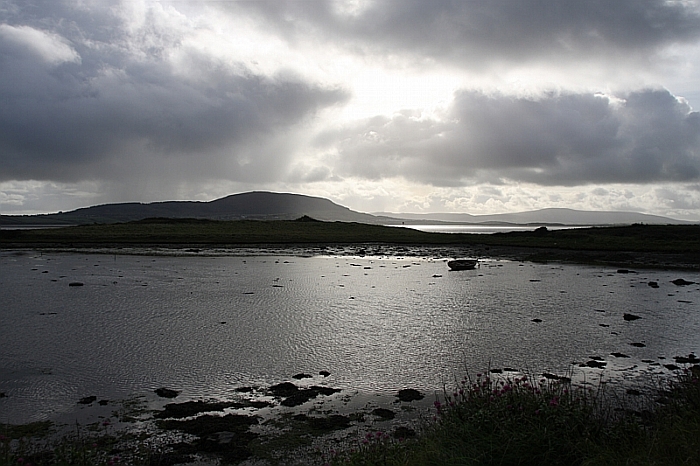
[520,421]
[655,246]
[487,419]
[633,238]
[165,232]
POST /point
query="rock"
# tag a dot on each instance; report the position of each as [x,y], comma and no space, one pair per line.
[560,378]
[690,359]
[76,284]
[638,345]
[246,389]
[619,355]
[326,424]
[294,396]
[385,414]
[299,398]
[284,389]
[537,321]
[404,432]
[653,284]
[193,408]
[672,367]
[625,271]
[166,392]
[87,400]
[208,424]
[595,364]
[324,373]
[302,376]
[409,394]
[629,317]
[681,282]
[496,371]
[2,395]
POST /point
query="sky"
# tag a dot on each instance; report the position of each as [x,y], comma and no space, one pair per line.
[469,106]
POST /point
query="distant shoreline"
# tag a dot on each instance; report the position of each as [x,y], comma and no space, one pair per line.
[647,260]
[640,246]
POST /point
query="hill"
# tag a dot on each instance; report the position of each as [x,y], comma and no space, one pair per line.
[256,205]
[544,217]
[262,205]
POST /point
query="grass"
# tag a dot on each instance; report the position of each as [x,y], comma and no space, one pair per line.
[520,421]
[486,420]
[33,445]
[633,238]
[209,232]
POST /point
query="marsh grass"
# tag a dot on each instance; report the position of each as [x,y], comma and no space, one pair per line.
[683,239]
[36,444]
[545,421]
[486,419]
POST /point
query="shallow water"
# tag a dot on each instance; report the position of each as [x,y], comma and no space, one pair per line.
[207,325]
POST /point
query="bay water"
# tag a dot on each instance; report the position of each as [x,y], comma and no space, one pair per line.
[208,325]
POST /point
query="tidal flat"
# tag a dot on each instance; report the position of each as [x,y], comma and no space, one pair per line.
[222,330]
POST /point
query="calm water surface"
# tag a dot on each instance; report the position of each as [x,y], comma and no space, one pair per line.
[207,325]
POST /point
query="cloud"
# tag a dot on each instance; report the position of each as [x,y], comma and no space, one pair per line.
[562,139]
[131,100]
[476,33]
[50,48]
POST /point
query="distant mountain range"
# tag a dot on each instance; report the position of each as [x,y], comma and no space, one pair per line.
[259,205]
[544,217]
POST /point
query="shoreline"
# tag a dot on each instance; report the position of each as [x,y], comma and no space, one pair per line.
[626,259]
[271,425]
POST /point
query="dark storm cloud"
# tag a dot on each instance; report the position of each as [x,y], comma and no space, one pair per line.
[83,97]
[475,32]
[558,139]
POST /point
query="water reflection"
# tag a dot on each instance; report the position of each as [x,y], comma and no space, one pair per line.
[206,325]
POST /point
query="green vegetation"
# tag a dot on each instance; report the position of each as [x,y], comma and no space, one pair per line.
[209,232]
[486,420]
[676,246]
[641,238]
[34,445]
[632,238]
[518,421]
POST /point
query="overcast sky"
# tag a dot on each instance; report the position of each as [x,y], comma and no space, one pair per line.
[390,105]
